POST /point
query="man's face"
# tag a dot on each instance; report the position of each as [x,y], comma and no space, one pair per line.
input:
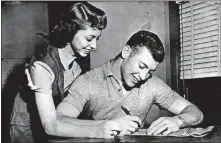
[138,67]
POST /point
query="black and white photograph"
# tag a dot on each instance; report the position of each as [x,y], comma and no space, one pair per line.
[110,71]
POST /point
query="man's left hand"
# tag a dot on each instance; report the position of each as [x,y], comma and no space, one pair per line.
[164,125]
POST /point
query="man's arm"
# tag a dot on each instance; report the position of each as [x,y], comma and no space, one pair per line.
[68,113]
[186,114]
[125,124]
[72,105]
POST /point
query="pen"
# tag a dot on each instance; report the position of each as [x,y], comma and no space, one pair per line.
[125,110]
[128,113]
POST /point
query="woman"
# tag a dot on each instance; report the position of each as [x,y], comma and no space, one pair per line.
[51,73]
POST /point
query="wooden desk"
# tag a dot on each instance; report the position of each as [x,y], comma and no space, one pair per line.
[214,136]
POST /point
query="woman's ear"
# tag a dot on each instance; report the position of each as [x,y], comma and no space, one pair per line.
[125,51]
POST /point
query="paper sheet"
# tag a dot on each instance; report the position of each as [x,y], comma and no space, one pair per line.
[195,132]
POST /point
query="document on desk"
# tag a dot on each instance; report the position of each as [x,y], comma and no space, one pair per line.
[195,132]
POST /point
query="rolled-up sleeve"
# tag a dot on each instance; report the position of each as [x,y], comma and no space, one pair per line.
[78,93]
[40,77]
[164,95]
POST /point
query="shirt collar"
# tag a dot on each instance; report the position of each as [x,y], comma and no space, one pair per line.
[109,73]
[108,68]
[65,57]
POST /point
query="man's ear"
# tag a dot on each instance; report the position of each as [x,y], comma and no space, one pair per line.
[125,51]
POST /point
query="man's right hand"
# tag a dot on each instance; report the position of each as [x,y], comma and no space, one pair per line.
[128,124]
[107,129]
[119,126]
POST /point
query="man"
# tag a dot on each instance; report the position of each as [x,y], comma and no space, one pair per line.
[127,81]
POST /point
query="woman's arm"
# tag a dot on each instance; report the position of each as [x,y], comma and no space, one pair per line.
[56,127]
[40,78]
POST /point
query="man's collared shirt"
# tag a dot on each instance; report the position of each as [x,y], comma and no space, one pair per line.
[98,95]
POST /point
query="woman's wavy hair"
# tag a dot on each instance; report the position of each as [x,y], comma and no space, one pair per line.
[75,18]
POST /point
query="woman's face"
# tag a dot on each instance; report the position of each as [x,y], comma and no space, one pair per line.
[85,40]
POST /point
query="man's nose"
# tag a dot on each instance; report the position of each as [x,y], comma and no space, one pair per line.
[144,75]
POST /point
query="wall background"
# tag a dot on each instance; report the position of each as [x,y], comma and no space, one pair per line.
[20,22]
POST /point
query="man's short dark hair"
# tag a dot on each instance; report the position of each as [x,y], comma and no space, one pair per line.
[151,41]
